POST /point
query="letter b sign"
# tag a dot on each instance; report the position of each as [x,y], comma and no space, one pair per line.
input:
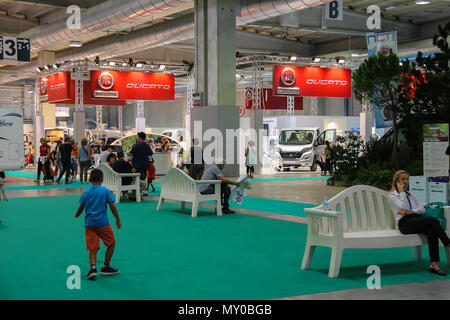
[334,10]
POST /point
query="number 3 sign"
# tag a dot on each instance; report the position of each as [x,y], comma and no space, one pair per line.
[14,50]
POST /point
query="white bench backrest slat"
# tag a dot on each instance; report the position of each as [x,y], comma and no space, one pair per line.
[177,181]
[109,176]
[365,208]
[369,197]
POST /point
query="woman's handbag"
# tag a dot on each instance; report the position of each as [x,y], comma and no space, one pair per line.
[436,210]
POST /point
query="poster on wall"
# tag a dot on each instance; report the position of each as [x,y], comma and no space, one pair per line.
[435,142]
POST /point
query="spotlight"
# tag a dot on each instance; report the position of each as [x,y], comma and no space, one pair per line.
[47,67]
[130,62]
[162,67]
[340,60]
[293,58]
[124,63]
[316,59]
[97,60]
[57,65]
[112,63]
[39,69]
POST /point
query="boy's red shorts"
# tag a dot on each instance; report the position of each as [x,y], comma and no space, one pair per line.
[94,234]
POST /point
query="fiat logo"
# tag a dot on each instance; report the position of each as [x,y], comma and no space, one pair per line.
[288,76]
[44,86]
[106,81]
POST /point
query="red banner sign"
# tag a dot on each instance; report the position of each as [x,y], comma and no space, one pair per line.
[270,101]
[133,85]
[311,82]
[55,87]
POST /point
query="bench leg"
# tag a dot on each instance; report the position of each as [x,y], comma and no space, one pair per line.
[160,204]
[335,262]
[307,256]
[447,253]
[194,209]
[417,252]
[183,205]
[219,207]
[138,196]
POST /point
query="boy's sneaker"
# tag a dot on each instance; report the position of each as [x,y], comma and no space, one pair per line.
[108,271]
[91,274]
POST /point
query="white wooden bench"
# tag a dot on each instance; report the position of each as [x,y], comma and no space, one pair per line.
[358,218]
[177,185]
[113,181]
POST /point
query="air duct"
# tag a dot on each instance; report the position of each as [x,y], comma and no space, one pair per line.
[171,32]
[115,14]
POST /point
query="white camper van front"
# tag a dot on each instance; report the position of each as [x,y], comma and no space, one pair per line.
[12,152]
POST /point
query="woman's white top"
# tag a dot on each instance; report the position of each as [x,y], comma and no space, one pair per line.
[399,201]
[251,156]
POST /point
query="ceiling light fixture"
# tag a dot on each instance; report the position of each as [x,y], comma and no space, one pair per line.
[97,60]
[56,65]
[422,2]
[162,67]
[47,67]
[75,44]
[293,58]
[112,63]
[340,60]
[316,59]
[130,62]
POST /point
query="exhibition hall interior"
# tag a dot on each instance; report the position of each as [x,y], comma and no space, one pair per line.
[224,150]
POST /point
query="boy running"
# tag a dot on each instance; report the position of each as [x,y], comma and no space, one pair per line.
[94,201]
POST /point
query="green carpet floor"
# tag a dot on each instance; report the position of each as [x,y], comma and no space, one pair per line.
[169,255]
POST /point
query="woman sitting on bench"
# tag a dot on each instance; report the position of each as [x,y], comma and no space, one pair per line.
[408,213]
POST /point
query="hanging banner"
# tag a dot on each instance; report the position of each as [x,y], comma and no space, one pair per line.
[271,102]
[14,51]
[383,42]
[133,85]
[311,82]
[58,88]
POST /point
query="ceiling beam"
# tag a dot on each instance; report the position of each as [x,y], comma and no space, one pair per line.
[14,26]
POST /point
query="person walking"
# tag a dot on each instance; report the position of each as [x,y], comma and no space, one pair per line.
[250,158]
[94,202]
[65,151]
[43,161]
[329,158]
[84,157]
[408,212]
[96,153]
[74,159]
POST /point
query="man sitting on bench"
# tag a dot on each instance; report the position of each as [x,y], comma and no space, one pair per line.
[122,166]
[214,172]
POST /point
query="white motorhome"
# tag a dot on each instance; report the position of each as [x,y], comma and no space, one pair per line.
[12,151]
[301,147]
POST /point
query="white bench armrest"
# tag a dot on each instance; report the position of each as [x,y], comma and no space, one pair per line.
[208,181]
[322,212]
[128,174]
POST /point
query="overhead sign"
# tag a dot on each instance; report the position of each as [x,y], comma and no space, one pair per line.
[384,42]
[270,101]
[133,85]
[311,82]
[334,10]
[62,112]
[14,51]
[58,88]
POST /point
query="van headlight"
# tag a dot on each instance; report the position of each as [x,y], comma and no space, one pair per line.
[307,149]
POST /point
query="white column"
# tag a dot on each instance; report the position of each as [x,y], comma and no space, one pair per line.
[39,131]
[99,118]
[140,116]
[120,118]
[79,117]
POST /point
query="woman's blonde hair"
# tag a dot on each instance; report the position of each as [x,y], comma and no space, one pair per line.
[396,177]
[84,141]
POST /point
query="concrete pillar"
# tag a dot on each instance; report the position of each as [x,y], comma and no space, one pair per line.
[140,116]
[366,124]
[49,114]
[215,69]
[79,126]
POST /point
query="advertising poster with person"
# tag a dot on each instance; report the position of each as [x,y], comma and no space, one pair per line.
[435,143]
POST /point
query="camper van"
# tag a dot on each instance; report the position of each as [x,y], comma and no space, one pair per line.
[301,147]
[12,151]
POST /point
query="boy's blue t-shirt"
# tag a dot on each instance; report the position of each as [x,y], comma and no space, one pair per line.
[95,200]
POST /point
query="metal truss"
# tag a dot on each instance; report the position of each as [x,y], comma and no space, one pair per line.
[290,105]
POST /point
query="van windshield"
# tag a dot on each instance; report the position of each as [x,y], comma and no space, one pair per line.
[299,137]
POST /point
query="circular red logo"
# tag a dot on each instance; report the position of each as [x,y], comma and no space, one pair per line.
[288,76]
[249,94]
[106,81]
[43,86]
[241,111]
